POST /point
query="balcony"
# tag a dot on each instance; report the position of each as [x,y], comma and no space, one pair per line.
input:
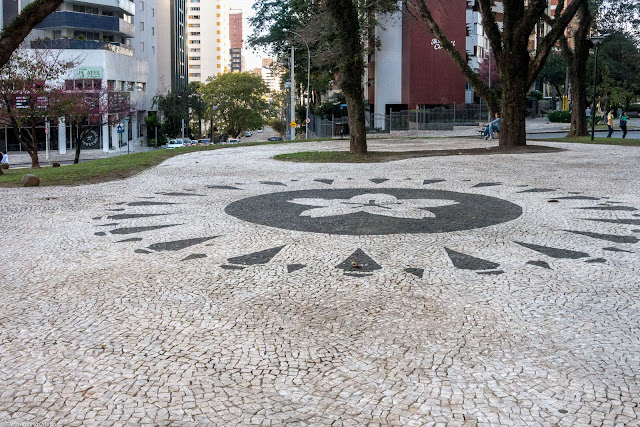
[82,44]
[88,22]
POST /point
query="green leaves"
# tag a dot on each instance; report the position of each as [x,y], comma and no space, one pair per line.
[236,101]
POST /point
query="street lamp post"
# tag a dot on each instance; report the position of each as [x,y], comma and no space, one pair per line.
[597,41]
[308,80]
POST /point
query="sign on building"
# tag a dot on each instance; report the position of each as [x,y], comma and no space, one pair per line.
[89,72]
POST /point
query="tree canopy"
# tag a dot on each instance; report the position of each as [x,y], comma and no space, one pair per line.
[237,101]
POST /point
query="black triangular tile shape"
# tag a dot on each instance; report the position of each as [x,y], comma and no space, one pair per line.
[275,183]
[418,272]
[578,198]
[223,187]
[178,245]
[538,190]
[194,256]
[491,273]
[232,267]
[432,181]
[555,252]
[133,239]
[261,257]
[295,267]
[596,261]
[359,261]
[178,194]
[324,181]
[615,221]
[611,208]
[608,237]
[100,233]
[614,249]
[378,180]
[142,251]
[146,203]
[468,262]
[542,264]
[133,216]
[486,184]
[132,230]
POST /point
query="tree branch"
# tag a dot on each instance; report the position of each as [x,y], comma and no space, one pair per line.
[491,29]
[15,33]
[531,17]
[557,30]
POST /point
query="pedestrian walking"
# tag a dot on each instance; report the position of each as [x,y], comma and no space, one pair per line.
[623,123]
[610,123]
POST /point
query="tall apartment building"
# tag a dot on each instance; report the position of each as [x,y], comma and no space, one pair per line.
[113,51]
[172,45]
[8,11]
[270,75]
[236,40]
[207,39]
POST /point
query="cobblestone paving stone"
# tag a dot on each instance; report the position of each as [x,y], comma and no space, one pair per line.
[195,329]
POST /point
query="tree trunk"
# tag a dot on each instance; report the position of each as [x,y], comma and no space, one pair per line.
[513,131]
[577,64]
[76,159]
[35,163]
[345,15]
[357,130]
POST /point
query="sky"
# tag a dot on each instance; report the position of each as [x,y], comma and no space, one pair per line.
[253,59]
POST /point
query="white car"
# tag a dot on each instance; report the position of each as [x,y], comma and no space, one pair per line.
[175,143]
[260,130]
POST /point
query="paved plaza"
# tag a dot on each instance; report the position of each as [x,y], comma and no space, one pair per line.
[227,288]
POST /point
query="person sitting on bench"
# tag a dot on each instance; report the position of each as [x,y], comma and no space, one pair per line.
[492,127]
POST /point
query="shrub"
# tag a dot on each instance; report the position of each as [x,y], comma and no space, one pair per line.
[634,107]
[536,94]
[560,116]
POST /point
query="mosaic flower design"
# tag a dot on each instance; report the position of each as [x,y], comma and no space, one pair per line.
[373,204]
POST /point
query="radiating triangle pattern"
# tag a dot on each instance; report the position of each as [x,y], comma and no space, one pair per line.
[555,252]
[468,262]
[255,258]
[358,264]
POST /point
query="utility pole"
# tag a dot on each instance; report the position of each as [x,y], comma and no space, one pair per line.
[293,93]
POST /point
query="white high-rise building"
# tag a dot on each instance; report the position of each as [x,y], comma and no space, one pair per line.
[115,46]
[207,38]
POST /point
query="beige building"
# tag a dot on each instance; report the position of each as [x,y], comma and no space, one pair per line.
[270,74]
[207,38]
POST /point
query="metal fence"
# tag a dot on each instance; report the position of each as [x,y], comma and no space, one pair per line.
[414,121]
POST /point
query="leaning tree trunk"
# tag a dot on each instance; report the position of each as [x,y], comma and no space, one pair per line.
[577,65]
[513,129]
[76,159]
[351,64]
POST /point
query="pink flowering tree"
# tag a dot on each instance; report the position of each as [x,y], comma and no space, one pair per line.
[86,106]
[27,82]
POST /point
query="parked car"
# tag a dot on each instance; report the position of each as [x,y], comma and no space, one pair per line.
[188,142]
[275,138]
[260,130]
[248,134]
[175,143]
[233,141]
[205,141]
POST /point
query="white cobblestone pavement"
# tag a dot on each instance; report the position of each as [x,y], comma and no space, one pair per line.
[530,320]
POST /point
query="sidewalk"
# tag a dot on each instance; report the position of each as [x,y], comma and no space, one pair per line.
[21,158]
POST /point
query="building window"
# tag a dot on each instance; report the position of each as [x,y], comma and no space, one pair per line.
[153,31]
[195,33]
[195,9]
[141,46]
[153,12]
[141,26]
[194,41]
[141,6]
[111,85]
[141,87]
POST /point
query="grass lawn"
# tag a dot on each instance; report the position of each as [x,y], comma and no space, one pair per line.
[389,156]
[587,140]
[109,169]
